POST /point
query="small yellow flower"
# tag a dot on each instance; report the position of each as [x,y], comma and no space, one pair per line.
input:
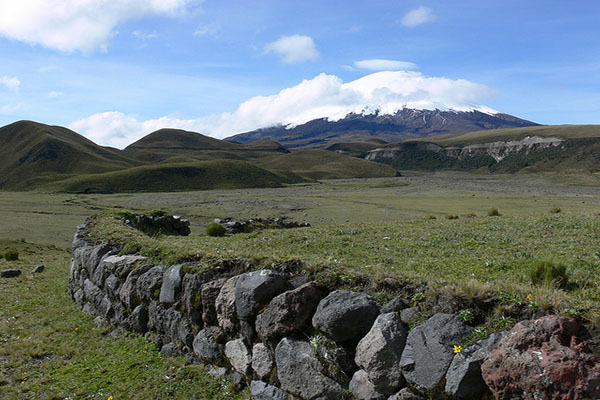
[110,398]
[458,349]
[18,337]
[529,297]
[367,266]
[209,254]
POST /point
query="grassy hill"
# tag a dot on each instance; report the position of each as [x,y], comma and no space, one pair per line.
[175,176]
[32,153]
[323,164]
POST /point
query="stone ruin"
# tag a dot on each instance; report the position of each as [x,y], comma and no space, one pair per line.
[287,337]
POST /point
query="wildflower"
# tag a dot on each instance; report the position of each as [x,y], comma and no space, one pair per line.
[458,349]
[109,398]
[366,266]
[529,297]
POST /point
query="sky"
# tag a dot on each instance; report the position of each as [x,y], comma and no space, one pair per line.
[116,70]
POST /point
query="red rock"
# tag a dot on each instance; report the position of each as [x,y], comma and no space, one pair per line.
[543,359]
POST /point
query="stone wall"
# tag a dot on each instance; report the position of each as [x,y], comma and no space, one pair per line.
[288,337]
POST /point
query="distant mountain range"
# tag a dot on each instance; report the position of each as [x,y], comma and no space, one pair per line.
[404,124]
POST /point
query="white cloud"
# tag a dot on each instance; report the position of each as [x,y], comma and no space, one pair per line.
[294,49]
[208,30]
[378,64]
[418,16]
[54,94]
[49,68]
[8,109]
[324,96]
[10,82]
[145,36]
[70,25]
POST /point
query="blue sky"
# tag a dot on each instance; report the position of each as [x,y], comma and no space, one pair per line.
[116,70]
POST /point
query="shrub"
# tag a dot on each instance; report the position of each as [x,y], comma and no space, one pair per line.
[430,216]
[548,273]
[451,216]
[157,213]
[215,229]
[555,210]
[493,212]
[11,255]
[466,316]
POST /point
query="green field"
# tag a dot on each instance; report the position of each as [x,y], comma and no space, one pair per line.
[363,231]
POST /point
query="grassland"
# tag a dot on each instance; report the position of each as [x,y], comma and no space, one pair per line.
[363,231]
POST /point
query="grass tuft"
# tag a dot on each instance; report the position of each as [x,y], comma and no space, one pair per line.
[11,255]
[548,273]
[493,212]
[215,230]
[555,210]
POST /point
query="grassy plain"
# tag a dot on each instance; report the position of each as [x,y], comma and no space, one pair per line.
[366,227]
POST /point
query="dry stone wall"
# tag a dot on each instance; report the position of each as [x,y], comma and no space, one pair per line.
[287,337]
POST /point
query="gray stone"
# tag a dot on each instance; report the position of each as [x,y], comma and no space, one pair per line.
[94,257]
[209,292]
[428,351]
[463,378]
[397,304]
[238,355]
[93,294]
[38,269]
[191,297]
[171,285]
[406,394]
[262,360]
[300,372]
[225,306]
[362,388]
[177,327]
[255,289]
[138,320]
[79,297]
[409,315]
[156,317]
[105,307]
[207,344]
[289,312]
[169,350]
[111,287]
[10,273]
[345,316]
[120,266]
[380,351]
[128,294]
[238,380]
[338,361]
[217,372]
[263,391]
[149,283]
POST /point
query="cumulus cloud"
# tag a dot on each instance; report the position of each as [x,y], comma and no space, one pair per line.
[378,64]
[324,96]
[54,94]
[9,109]
[145,36]
[10,82]
[294,49]
[208,30]
[70,25]
[418,16]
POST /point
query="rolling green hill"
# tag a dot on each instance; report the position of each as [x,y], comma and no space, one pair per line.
[32,153]
[323,164]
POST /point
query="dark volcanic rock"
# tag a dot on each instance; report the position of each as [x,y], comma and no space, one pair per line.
[149,283]
[209,292]
[208,344]
[10,273]
[428,351]
[38,269]
[463,378]
[263,391]
[262,360]
[543,359]
[289,312]
[362,388]
[128,294]
[255,289]
[345,316]
[300,372]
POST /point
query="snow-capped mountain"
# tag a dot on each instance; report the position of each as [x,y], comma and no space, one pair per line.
[403,124]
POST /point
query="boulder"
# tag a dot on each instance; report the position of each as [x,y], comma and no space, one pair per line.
[171,285]
[406,394]
[543,359]
[238,355]
[380,351]
[177,327]
[362,388]
[93,294]
[207,344]
[338,362]
[10,273]
[397,304]
[149,283]
[156,317]
[345,316]
[262,360]
[128,294]
[255,289]
[191,297]
[138,320]
[289,312]
[112,284]
[263,391]
[300,372]
[225,306]
[120,266]
[38,269]
[209,292]
[79,297]
[429,350]
[169,350]
[94,256]
[463,378]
